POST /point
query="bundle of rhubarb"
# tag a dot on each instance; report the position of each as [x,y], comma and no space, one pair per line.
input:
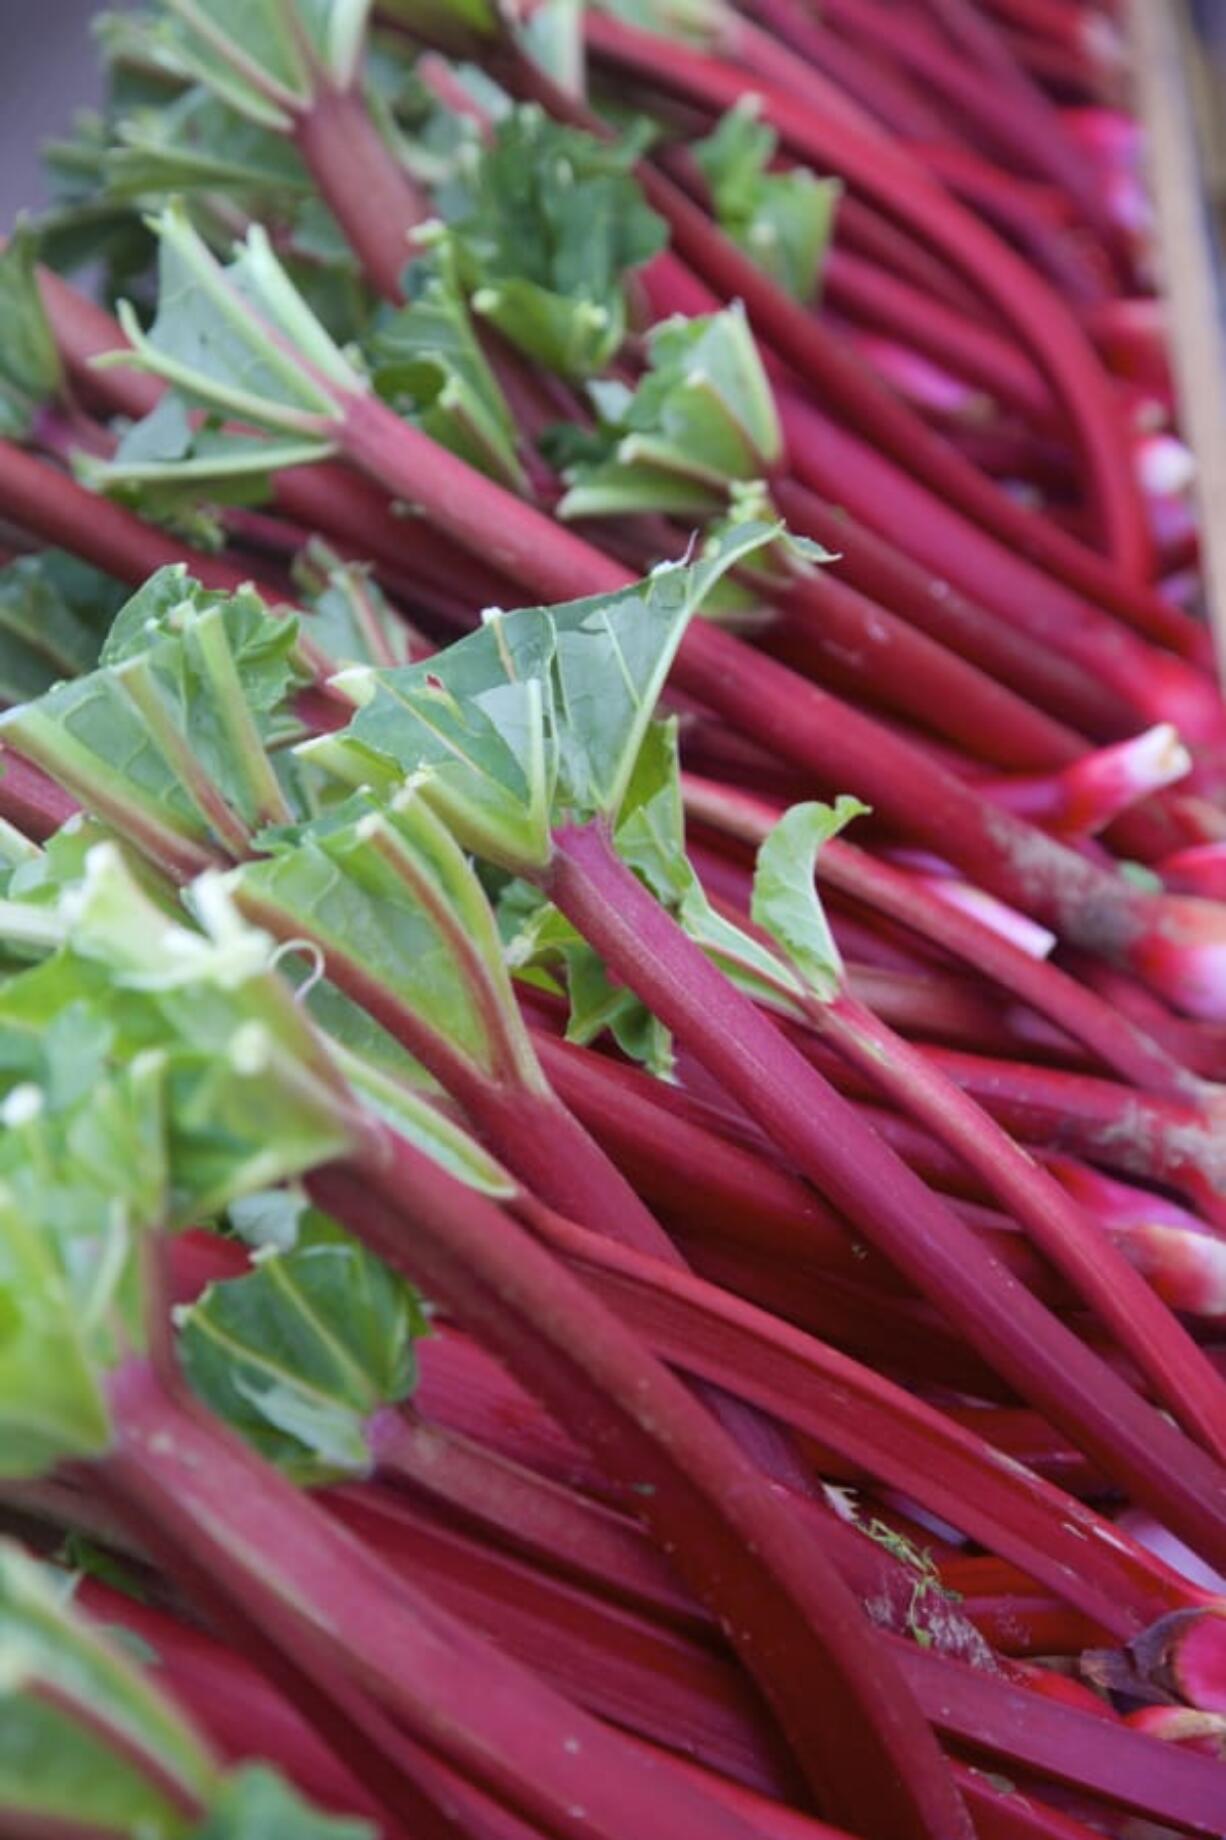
[613,941]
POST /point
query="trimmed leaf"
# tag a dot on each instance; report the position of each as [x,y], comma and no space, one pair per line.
[51,1406]
[83,1175]
[168,738]
[540,715]
[301,1351]
[90,738]
[86,1738]
[785,900]
[650,837]
[199,143]
[544,940]
[784,220]
[351,621]
[389,893]
[54,612]
[88,1741]
[552,35]
[175,463]
[471,721]
[247,51]
[702,419]
[612,656]
[255,1804]
[554,224]
[30,370]
[426,362]
[254,1097]
[226,338]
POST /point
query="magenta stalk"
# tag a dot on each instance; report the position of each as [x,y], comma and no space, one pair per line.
[851,1167]
[797,1627]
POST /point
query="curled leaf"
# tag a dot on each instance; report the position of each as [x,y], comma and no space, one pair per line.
[301,1351]
[785,900]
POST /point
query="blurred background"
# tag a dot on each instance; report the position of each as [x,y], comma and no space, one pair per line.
[47,72]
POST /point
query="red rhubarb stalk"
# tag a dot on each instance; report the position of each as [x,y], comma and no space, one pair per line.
[828,1143]
[53,507]
[193,1492]
[362,182]
[1042,324]
[885,1432]
[866,1754]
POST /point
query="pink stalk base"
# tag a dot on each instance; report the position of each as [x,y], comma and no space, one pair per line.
[1141,1323]
[1085,798]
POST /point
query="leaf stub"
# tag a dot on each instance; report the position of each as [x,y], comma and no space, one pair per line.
[783,220]
[552,224]
[538,717]
[701,421]
[785,900]
[304,1349]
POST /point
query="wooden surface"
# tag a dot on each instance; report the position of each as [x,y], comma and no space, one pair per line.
[1170,83]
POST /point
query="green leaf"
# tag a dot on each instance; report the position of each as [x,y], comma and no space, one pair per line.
[540,715]
[612,655]
[51,1405]
[228,338]
[254,1095]
[552,35]
[94,1175]
[351,619]
[168,738]
[427,363]
[246,50]
[702,419]
[544,939]
[167,465]
[85,1738]
[30,370]
[554,224]
[784,220]
[785,901]
[301,1351]
[255,1804]
[82,1177]
[471,722]
[90,737]
[198,143]
[650,837]
[54,612]
[86,1558]
[390,894]
[650,834]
